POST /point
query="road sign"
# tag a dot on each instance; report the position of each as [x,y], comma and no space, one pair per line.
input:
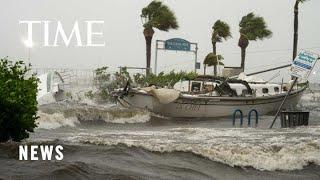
[177,44]
[303,64]
[198,65]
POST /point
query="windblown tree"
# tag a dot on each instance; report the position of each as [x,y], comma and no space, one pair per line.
[212,60]
[18,104]
[296,26]
[221,30]
[159,16]
[252,28]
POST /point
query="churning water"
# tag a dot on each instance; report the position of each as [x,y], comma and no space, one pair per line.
[108,142]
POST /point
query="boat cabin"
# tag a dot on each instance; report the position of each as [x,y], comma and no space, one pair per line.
[227,88]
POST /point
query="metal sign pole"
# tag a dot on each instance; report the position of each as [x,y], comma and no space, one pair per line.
[284,100]
[156,58]
[196,58]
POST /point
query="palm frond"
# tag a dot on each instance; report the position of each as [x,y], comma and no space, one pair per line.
[159,16]
[254,27]
[213,60]
[221,30]
[301,1]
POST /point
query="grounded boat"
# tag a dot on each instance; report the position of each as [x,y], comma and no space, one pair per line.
[208,96]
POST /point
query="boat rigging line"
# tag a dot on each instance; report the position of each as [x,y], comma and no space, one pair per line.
[266,70]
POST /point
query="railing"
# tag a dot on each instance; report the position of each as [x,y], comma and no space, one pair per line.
[234,117]
[249,117]
[241,117]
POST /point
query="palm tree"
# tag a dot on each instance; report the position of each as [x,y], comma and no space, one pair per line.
[159,16]
[221,30]
[212,60]
[296,26]
[252,28]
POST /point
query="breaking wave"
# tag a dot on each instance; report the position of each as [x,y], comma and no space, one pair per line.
[139,118]
[310,101]
[55,120]
[261,149]
[55,116]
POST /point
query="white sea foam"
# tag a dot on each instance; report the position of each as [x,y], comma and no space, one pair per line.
[55,120]
[138,118]
[284,149]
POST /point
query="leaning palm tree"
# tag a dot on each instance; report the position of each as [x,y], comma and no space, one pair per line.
[221,30]
[252,28]
[212,60]
[159,16]
[296,26]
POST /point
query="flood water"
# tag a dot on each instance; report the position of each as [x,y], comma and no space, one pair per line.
[108,142]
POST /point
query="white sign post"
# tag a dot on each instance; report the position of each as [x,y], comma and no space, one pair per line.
[301,68]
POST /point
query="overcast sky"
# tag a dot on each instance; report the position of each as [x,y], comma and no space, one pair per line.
[125,44]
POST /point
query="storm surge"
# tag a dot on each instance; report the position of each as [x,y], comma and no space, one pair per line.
[257,148]
[215,140]
[52,116]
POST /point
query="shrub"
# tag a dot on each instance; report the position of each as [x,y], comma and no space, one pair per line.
[18,104]
[106,83]
[163,79]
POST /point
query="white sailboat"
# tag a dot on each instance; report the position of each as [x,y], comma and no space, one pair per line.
[208,96]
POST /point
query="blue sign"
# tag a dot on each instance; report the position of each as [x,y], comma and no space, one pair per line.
[177,44]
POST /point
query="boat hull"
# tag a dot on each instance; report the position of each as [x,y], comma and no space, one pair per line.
[204,107]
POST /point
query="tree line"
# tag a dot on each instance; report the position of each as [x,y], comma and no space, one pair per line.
[251,28]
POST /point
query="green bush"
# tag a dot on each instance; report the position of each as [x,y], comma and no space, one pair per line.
[18,103]
[106,82]
[163,79]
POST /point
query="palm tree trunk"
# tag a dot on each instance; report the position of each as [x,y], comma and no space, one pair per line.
[148,34]
[243,58]
[296,25]
[214,48]
[243,44]
[148,53]
[214,51]
[204,69]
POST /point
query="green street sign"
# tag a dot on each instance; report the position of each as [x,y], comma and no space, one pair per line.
[177,44]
